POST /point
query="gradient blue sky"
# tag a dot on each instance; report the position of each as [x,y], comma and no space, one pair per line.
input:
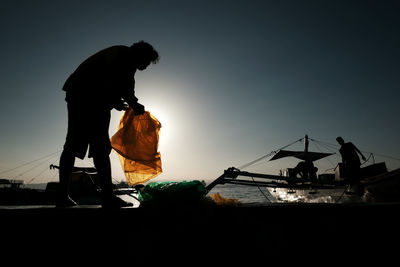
[236,79]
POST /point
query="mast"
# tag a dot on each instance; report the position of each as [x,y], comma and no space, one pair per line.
[306,144]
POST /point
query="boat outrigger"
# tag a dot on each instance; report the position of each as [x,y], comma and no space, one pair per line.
[377,183]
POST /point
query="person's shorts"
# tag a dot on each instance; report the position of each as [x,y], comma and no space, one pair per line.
[87,127]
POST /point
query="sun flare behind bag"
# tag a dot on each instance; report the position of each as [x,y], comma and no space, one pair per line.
[136,142]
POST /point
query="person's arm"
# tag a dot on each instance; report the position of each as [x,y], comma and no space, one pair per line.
[359,152]
[121,105]
[131,99]
[137,107]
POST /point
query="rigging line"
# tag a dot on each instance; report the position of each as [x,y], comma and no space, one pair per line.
[344,191]
[37,165]
[336,147]
[385,156]
[265,156]
[31,180]
[320,150]
[260,189]
[370,155]
[325,142]
[95,184]
[327,158]
[259,163]
[256,160]
[52,177]
[30,162]
[340,197]
[91,164]
[45,169]
[328,146]
[55,173]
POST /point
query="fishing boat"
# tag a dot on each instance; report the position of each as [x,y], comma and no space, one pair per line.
[302,183]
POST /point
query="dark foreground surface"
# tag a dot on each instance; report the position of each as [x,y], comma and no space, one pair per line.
[203,234]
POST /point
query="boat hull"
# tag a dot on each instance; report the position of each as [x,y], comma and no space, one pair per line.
[336,195]
[379,188]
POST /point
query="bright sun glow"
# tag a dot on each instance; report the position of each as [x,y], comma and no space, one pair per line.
[165,121]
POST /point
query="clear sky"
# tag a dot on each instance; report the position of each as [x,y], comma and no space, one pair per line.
[236,79]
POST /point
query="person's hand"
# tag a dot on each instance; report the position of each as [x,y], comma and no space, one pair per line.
[138,108]
[121,106]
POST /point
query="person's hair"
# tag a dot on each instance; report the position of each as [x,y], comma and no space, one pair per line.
[339,139]
[146,50]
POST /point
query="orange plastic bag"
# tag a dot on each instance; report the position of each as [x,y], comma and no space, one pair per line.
[136,142]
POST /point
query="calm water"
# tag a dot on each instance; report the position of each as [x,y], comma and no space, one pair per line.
[245,194]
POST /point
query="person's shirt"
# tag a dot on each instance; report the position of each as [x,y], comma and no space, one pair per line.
[349,153]
[103,79]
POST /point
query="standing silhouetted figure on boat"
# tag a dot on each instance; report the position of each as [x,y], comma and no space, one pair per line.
[350,159]
[102,82]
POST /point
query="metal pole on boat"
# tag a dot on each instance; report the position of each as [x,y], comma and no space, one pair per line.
[306,143]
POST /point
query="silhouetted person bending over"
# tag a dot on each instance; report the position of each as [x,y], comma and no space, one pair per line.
[350,159]
[306,169]
[102,82]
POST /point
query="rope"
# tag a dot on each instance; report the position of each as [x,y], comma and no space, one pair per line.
[336,147]
[386,156]
[265,156]
[92,165]
[45,169]
[255,161]
[30,162]
[329,146]
[260,189]
[340,198]
[320,150]
[370,155]
[41,163]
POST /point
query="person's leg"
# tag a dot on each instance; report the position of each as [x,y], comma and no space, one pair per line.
[67,161]
[75,145]
[103,165]
[100,149]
